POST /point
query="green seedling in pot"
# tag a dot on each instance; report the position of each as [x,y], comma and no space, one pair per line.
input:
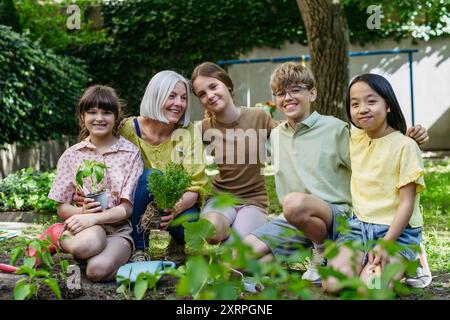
[95,172]
[167,188]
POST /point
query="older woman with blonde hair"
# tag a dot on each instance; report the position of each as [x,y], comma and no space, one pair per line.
[163,133]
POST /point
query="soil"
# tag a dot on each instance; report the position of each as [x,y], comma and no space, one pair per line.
[87,289]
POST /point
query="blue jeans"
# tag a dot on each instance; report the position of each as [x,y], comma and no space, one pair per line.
[364,233]
[142,197]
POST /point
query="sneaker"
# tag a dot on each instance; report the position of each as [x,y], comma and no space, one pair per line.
[175,252]
[312,273]
[139,256]
[423,277]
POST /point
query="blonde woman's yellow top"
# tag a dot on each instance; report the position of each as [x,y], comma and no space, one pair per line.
[184,147]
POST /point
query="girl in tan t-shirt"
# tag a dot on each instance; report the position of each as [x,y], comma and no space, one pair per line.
[234,133]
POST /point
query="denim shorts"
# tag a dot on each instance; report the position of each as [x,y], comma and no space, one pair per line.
[365,233]
[283,239]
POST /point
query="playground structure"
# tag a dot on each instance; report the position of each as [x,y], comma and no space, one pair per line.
[306,58]
[418,72]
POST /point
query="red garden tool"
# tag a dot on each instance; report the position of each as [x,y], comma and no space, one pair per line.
[54,231]
[7,268]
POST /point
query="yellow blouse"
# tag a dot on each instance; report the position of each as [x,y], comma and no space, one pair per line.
[184,147]
[380,167]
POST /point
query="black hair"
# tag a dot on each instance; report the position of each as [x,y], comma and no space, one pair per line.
[383,88]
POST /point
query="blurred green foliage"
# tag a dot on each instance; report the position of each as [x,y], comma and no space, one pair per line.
[140,38]
[38,90]
[9,15]
[27,189]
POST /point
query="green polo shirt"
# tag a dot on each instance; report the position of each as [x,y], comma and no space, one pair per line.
[313,158]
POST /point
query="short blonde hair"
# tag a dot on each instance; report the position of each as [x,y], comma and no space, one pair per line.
[158,90]
[291,73]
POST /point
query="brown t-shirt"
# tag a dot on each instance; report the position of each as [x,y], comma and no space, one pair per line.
[239,151]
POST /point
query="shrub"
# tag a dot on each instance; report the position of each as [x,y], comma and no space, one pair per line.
[168,188]
[8,15]
[27,189]
[38,90]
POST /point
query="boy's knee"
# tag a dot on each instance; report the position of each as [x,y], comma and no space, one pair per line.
[258,246]
[294,208]
[100,270]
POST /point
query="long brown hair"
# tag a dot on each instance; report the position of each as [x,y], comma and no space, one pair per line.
[102,97]
[212,70]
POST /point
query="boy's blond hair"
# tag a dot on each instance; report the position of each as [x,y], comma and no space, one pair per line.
[291,73]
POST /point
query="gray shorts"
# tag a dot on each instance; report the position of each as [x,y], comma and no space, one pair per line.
[283,239]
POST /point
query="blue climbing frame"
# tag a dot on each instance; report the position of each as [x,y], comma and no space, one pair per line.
[351,54]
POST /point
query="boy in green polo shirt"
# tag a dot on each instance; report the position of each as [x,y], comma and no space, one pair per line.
[310,155]
[312,177]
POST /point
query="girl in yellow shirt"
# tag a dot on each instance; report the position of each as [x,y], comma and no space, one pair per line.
[387,176]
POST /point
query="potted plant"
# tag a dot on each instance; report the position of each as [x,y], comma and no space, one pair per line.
[166,189]
[94,172]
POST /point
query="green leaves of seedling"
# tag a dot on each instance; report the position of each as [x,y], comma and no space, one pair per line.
[24,290]
[196,233]
[92,170]
[36,276]
[195,278]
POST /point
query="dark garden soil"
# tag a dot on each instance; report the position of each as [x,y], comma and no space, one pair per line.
[87,289]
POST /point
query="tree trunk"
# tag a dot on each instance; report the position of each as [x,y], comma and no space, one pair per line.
[327,32]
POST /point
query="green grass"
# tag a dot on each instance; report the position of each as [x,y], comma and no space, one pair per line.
[435,201]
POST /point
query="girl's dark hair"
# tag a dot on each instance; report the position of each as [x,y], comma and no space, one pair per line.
[383,88]
[210,69]
[102,97]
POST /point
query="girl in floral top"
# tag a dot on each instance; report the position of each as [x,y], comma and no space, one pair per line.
[101,236]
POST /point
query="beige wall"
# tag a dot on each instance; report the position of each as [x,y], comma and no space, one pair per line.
[431,75]
[41,157]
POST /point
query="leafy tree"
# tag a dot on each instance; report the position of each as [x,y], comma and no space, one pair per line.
[8,15]
[328,37]
[328,40]
[38,90]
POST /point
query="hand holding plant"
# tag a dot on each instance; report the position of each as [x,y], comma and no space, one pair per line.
[91,206]
[167,189]
[94,172]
